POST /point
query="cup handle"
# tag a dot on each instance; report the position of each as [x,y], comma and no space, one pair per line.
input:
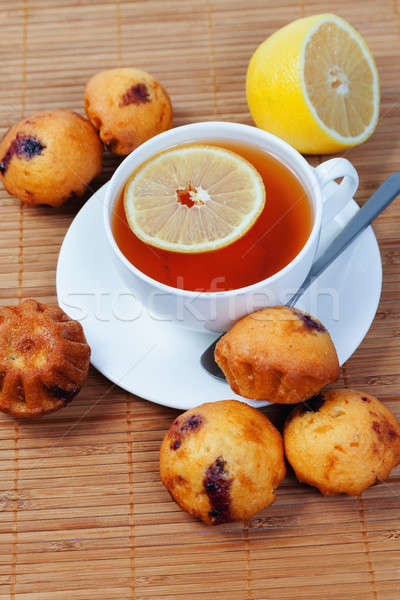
[327,172]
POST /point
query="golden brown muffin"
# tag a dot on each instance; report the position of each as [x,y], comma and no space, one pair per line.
[44,359]
[222,461]
[278,354]
[127,106]
[342,441]
[50,157]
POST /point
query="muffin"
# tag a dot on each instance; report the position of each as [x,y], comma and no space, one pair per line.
[50,157]
[342,441]
[278,354]
[127,106]
[222,461]
[44,359]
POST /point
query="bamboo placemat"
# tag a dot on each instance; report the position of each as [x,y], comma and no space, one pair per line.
[83,514]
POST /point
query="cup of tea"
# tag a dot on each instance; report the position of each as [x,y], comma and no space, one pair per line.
[209,291]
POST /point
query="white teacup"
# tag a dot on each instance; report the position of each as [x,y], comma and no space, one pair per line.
[217,311]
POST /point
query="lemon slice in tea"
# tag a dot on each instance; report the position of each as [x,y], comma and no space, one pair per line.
[194,198]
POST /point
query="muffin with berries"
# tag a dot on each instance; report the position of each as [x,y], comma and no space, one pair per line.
[49,157]
[127,106]
[222,461]
[279,354]
[342,441]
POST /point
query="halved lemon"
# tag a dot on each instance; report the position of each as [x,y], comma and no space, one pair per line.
[194,198]
[315,84]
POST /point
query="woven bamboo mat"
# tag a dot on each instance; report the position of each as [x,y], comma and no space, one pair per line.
[83,514]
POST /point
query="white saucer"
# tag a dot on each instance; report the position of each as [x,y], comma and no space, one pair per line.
[159,360]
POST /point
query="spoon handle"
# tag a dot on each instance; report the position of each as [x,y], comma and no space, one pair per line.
[379,200]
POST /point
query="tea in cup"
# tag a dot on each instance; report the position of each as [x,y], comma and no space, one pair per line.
[209,290]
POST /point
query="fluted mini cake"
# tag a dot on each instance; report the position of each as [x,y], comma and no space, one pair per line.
[44,359]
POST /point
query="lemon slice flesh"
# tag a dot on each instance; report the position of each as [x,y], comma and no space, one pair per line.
[193,199]
[315,84]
